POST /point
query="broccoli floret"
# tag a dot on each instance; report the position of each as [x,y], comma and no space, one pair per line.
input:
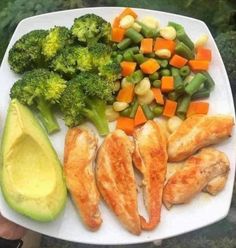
[57,39]
[226,43]
[110,71]
[76,106]
[40,89]
[91,28]
[26,53]
[71,60]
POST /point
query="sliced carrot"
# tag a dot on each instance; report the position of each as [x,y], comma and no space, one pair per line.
[127,68]
[140,117]
[167,84]
[203,54]
[128,11]
[146,45]
[197,108]
[149,66]
[116,22]
[158,96]
[178,61]
[126,94]
[161,43]
[117,34]
[169,108]
[126,124]
[199,65]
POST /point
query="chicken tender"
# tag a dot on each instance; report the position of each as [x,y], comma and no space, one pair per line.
[197,172]
[197,132]
[79,156]
[115,179]
[150,158]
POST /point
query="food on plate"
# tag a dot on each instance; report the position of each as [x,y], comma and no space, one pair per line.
[199,170]
[115,179]
[216,184]
[40,89]
[150,158]
[79,156]
[31,175]
[82,99]
[196,132]
[26,53]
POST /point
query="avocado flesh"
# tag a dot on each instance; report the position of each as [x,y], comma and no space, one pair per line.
[31,174]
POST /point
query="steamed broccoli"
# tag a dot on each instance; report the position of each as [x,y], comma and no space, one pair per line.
[26,52]
[226,43]
[40,89]
[83,99]
[56,40]
[71,60]
[91,28]
[111,71]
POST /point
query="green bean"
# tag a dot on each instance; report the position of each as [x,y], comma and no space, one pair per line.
[139,58]
[194,85]
[183,50]
[135,77]
[135,36]
[163,63]
[182,106]
[175,25]
[183,37]
[134,108]
[126,112]
[203,93]
[178,81]
[147,111]
[154,76]
[174,95]
[134,49]
[128,56]
[151,55]
[165,72]
[148,32]
[157,110]
[124,44]
[156,83]
[119,58]
[184,71]
[209,83]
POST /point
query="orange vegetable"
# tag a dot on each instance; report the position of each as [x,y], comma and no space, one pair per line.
[117,34]
[203,54]
[169,108]
[116,22]
[126,124]
[140,117]
[158,96]
[199,65]
[127,68]
[167,83]
[161,43]
[126,94]
[197,108]
[178,61]
[149,66]
[146,45]
[128,11]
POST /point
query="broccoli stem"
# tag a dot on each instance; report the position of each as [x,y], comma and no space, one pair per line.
[95,112]
[47,117]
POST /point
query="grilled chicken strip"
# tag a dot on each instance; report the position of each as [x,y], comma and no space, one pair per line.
[199,170]
[115,179]
[150,158]
[79,156]
[197,132]
[216,184]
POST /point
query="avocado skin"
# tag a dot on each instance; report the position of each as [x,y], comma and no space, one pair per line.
[43,208]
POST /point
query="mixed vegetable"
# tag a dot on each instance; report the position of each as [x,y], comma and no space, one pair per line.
[131,72]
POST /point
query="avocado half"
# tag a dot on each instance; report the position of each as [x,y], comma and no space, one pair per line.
[31,174]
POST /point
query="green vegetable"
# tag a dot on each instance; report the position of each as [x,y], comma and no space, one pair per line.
[156,83]
[26,53]
[146,31]
[184,51]
[125,43]
[194,85]
[184,71]
[165,72]
[126,112]
[157,110]
[182,107]
[154,76]
[134,108]
[139,58]
[56,40]
[110,71]
[178,81]
[209,83]
[174,95]
[202,93]
[135,36]
[40,89]
[163,63]
[91,28]
[135,77]
[147,111]
[128,56]
[134,49]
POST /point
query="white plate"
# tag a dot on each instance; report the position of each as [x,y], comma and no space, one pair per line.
[202,211]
